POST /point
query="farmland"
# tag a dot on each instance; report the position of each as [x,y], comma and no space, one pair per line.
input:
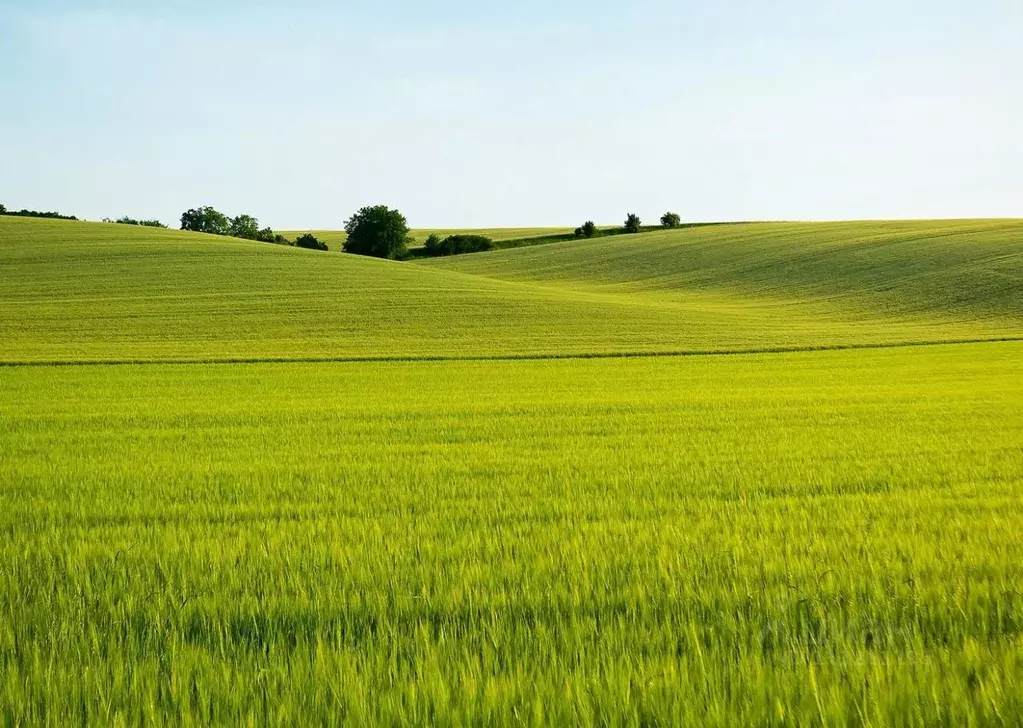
[268,484]
[171,296]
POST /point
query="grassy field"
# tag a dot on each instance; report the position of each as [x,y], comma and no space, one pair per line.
[93,292]
[826,536]
[810,537]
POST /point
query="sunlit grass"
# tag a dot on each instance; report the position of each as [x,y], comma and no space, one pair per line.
[92,292]
[819,537]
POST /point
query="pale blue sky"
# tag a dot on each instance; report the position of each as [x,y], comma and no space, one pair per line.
[464,113]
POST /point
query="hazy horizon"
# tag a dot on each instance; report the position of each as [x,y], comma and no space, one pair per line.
[467,116]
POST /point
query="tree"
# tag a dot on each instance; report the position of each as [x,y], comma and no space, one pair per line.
[587,230]
[244,226]
[632,223]
[310,242]
[378,231]
[205,220]
[671,220]
[3,210]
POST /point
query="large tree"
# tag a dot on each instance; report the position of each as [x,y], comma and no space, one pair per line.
[205,220]
[378,231]
[671,220]
[245,226]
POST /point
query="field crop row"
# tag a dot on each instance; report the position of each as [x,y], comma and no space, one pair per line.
[824,537]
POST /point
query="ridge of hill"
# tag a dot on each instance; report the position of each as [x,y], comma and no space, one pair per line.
[964,268]
[90,292]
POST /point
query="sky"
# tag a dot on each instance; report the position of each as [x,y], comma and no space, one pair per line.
[470,113]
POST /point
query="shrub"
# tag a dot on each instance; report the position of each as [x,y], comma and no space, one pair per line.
[671,220]
[205,220]
[632,223]
[377,231]
[266,235]
[457,244]
[310,242]
[587,230]
[3,210]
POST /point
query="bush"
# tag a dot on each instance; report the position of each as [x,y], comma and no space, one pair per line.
[266,235]
[3,210]
[132,221]
[588,230]
[205,220]
[310,242]
[671,220]
[377,231]
[632,223]
[457,244]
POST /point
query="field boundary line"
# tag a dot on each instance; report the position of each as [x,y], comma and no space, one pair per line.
[426,358]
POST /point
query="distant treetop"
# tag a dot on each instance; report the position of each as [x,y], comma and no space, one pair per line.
[671,220]
[35,213]
[632,223]
[377,231]
[132,221]
[208,220]
[205,220]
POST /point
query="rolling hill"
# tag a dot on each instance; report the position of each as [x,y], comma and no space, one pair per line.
[74,292]
[809,537]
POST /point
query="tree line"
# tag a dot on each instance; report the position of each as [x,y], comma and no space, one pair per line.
[632,225]
[132,221]
[382,232]
[209,220]
[35,213]
[376,231]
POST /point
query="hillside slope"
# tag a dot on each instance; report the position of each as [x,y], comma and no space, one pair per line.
[72,292]
[963,270]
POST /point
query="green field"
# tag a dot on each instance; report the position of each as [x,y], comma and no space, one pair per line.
[93,292]
[474,503]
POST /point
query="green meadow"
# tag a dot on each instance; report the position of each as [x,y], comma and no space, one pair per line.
[93,292]
[757,474]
